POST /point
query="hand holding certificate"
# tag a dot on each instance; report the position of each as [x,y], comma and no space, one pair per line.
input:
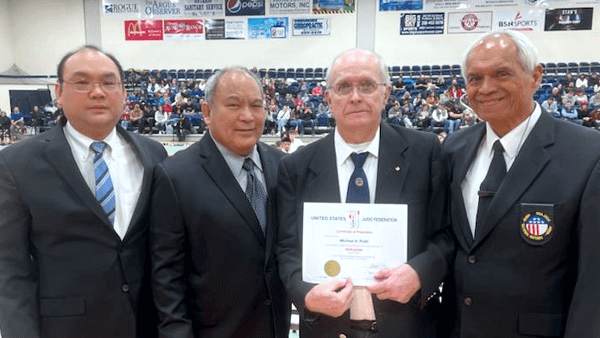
[352,241]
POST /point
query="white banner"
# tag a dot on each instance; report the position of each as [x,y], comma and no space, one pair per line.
[122,9]
[469,22]
[524,20]
[320,26]
[277,7]
[203,8]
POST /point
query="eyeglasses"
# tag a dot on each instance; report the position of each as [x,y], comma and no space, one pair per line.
[366,87]
[87,86]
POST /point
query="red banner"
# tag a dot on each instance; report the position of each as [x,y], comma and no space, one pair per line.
[143,30]
[184,29]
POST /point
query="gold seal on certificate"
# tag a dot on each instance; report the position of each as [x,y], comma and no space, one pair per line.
[332,268]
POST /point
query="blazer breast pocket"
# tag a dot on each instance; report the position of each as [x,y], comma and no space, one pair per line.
[62,307]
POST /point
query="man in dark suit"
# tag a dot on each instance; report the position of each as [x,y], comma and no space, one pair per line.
[401,167]
[525,206]
[214,223]
[74,265]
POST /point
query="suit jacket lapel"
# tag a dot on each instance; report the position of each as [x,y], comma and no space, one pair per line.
[216,167]
[530,161]
[58,153]
[461,164]
[269,165]
[390,174]
[322,184]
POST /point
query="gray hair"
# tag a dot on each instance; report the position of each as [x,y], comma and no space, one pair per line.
[527,52]
[383,69]
[213,81]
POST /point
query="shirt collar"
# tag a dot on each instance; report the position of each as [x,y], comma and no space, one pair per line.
[82,144]
[235,161]
[515,138]
[343,150]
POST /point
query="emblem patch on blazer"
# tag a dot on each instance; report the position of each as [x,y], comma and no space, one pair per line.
[536,223]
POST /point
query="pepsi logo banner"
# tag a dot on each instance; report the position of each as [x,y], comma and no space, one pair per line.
[244,7]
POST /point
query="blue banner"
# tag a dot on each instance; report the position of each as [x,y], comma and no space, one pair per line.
[244,7]
[400,5]
[268,28]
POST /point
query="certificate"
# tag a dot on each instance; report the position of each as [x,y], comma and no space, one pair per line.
[352,240]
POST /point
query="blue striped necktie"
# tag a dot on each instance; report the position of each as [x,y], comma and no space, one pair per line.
[105,193]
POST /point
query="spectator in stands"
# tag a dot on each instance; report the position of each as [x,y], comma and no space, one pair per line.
[566,82]
[593,121]
[595,101]
[582,81]
[152,90]
[423,117]
[133,96]
[17,123]
[308,119]
[456,91]
[593,80]
[439,118]
[580,96]
[395,116]
[569,97]
[287,101]
[406,99]
[295,142]
[298,102]
[136,116]
[550,106]
[37,119]
[196,92]
[4,128]
[556,95]
[282,119]
[182,128]
[583,112]
[160,119]
[469,119]
[147,120]
[421,83]
[286,144]
[568,112]
[418,102]
[125,121]
[455,118]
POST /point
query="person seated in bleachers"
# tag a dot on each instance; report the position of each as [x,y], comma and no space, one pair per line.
[550,106]
[147,120]
[136,116]
[160,119]
[567,80]
[595,101]
[569,97]
[421,83]
[4,128]
[182,128]
[423,116]
[125,120]
[282,119]
[406,99]
[196,91]
[593,121]
[580,96]
[439,118]
[455,117]
[318,90]
[582,81]
[17,121]
[295,142]
[287,101]
[583,112]
[569,113]
[556,95]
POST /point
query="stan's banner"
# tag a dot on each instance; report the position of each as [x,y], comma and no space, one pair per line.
[320,26]
[143,30]
[244,7]
[470,22]
[230,29]
[421,23]
[569,19]
[203,8]
[333,6]
[128,9]
[268,28]
[184,29]
[525,20]
[289,7]
[400,5]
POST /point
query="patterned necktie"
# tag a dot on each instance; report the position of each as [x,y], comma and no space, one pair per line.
[358,187]
[256,194]
[491,182]
[105,193]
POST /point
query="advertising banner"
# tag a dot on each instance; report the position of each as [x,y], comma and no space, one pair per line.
[215,29]
[244,7]
[230,29]
[177,29]
[161,9]
[268,28]
[431,5]
[289,7]
[203,8]
[421,23]
[567,19]
[399,5]
[528,20]
[320,26]
[143,30]
[333,6]
[129,9]
[470,22]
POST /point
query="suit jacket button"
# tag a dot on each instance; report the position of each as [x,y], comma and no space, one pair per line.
[468,301]
[268,302]
[125,288]
[472,259]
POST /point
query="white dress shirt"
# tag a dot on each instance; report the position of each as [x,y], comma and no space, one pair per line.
[126,171]
[512,143]
[345,165]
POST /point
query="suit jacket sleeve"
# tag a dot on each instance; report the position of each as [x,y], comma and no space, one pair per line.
[584,313]
[19,314]
[167,251]
[433,264]
[289,246]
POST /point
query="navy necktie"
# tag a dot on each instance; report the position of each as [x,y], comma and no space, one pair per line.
[256,194]
[358,187]
[491,182]
[105,193]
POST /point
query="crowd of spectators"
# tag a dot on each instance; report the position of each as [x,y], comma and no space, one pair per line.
[174,106]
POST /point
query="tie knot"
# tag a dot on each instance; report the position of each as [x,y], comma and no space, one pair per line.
[99,146]
[359,159]
[498,147]
[248,164]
